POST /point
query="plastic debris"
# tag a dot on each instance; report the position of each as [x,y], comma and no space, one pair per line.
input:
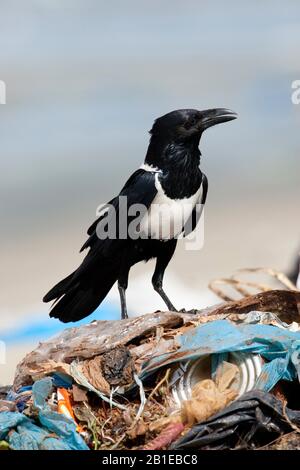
[154,381]
[21,397]
[248,368]
[53,431]
[208,397]
[250,422]
[280,347]
[64,406]
[166,437]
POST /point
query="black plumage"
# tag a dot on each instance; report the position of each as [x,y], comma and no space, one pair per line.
[170,175]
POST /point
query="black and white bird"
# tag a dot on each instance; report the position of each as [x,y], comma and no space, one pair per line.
[170,186]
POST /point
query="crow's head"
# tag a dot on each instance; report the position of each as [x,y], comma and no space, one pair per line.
[184,124]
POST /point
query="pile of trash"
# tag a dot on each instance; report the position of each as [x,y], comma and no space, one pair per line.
[226,377]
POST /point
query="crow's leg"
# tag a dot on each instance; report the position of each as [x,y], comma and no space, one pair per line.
[122,286]
[162,262]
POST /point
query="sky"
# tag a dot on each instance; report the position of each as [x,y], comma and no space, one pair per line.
[84,81]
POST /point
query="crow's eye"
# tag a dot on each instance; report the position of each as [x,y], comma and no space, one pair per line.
[191,122]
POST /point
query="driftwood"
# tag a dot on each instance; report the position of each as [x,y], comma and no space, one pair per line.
[285,304]
[98,337]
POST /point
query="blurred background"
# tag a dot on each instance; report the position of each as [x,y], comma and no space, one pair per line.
[85,80]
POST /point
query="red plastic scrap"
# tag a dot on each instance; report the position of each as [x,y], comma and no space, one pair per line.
[166,437]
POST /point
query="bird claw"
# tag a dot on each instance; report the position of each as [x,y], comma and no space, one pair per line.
[193,311]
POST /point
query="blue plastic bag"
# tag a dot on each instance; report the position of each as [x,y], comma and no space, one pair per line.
[53,432]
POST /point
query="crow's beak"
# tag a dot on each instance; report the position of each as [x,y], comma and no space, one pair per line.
[211,117]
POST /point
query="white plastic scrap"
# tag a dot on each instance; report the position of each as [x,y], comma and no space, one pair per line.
[268,318]
[142,397]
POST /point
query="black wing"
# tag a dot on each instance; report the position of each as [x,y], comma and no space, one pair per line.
[196,214]
[139,189]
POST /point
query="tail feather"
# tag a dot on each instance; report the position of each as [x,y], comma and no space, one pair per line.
[81,300]
[59,289]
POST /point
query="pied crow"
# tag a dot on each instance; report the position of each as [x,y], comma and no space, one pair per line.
[169,186]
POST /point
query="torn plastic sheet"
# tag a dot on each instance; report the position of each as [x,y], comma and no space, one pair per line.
[279,346]
[255,419]
[55,422]
[21,433]
[57,432]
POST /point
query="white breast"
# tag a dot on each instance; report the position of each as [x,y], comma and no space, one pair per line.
[166,217]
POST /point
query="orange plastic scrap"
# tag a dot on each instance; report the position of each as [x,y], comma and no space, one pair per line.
[64,406]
